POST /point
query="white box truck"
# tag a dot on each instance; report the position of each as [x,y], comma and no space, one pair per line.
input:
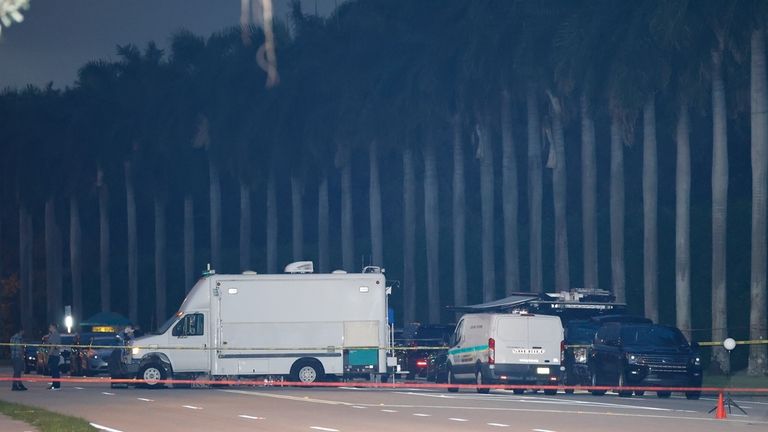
[505,348]
[305,327]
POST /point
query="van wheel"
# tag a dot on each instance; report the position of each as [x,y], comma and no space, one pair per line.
[307,371]
[152,375]
[479,380]
[622,384]
[451,380]
[594,384]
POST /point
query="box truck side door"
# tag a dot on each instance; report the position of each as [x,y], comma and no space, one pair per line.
[190,340]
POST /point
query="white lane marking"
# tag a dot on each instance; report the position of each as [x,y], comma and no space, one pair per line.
[422,415]
[79,388]
[352,388]
[293,398]
[191,407]
[108,393]
[457,419]
[358,407]
[388,410]
[320,428]
[542,430]
[104,428]
[250,417]
[498,424]
[146,400]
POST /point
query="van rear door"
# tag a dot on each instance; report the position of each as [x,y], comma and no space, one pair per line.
[512,346]
[545,334]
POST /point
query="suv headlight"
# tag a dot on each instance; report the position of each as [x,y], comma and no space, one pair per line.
[697,361]
[580,355]
[633,359]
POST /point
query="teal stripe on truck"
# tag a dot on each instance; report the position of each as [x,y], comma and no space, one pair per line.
[468,349]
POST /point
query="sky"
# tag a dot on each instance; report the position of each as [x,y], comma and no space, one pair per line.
[58,36]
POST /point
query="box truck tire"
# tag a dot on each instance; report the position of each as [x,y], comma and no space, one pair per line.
[307,371]
[151,374]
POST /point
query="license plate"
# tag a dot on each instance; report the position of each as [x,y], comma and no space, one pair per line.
[542,371]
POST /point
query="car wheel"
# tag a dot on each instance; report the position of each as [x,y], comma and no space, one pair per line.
[307,371]
[663,394]
[622,384]
[518,391]
[694,395]
[639,392]
[594,384]
[550,392]
[451,380]
[479,380]
[152,375]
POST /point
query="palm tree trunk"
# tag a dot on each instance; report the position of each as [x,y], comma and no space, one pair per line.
[432,231]
[160,257]
[133,249]
[509,201]
[720,359]
[347,220]
[323,219]
[485,157]
[215,197]
[189,241]
[459,217]
[618,281]
[409,237]
[588,194]
[104,247]
[535,196]
[52,263]
[271,224]
[25,268]
[682,224]
[650,202]
[374,203]
[758,325]
[75,257]
[560,197]
[245,226]
[297,216]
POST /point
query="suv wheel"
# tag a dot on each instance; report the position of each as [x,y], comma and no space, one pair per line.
[693,395]
[594,384]
[622,384]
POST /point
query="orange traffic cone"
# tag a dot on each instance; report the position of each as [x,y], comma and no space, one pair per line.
[720,412]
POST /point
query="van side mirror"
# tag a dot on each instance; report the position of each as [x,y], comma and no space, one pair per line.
[452,340]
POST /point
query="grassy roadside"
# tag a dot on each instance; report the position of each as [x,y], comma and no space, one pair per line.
[739,379]
[44,421]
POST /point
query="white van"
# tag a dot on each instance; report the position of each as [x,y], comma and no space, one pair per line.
[495,348]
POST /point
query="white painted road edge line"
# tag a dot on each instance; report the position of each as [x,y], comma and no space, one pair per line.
[359,407]
[146,400]
[542,430]
[250,417]
[422,415]
[108,393]
[498,424]
[79,388]
[320,428]
[389,410]
[457,419]
[104,428]
[191,407]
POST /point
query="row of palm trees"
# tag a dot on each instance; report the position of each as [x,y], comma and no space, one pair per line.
[393,95]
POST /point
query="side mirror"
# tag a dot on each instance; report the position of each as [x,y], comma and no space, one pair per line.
[695,345]
[452,340]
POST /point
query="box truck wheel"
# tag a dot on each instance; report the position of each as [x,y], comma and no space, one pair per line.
[152,374]
[307,371]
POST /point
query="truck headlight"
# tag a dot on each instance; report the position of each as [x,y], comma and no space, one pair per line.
[580,355]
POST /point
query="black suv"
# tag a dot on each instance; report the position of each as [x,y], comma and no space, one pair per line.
[641,354]
[579,335]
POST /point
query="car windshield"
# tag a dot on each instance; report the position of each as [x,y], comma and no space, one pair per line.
[657,336]
[113,341]
[581,333]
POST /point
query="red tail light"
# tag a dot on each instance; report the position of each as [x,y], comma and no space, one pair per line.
[421,363]
[491,351]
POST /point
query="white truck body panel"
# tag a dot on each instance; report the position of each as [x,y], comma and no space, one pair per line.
[261,324]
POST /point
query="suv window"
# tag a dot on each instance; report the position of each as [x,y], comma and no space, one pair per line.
[608,335]
[190,325]
[656,335]
[580,333]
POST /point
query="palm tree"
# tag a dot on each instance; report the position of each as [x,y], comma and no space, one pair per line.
[758,327]
[297,228]
[682,221]
[588,193]
[105,276]
[535,190]
[344,164]
[559,194]
[485,157]
[374,203]
[617,209]
[510,200]
[458,214]
[432,223]
[409,236]
[650,211]
[75,256]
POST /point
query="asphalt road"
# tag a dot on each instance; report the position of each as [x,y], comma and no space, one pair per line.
[362,409]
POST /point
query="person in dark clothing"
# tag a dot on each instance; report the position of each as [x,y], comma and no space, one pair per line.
[54,356]
[17,358]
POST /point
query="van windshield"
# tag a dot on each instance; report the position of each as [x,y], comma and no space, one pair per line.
[657,336]
[166,325]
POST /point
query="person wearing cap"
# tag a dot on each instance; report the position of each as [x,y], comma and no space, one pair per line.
[17,358]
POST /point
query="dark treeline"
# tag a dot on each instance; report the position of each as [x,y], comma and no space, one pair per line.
[472,148]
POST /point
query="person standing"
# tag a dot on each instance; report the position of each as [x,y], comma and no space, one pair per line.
[54,356]
[17,358]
